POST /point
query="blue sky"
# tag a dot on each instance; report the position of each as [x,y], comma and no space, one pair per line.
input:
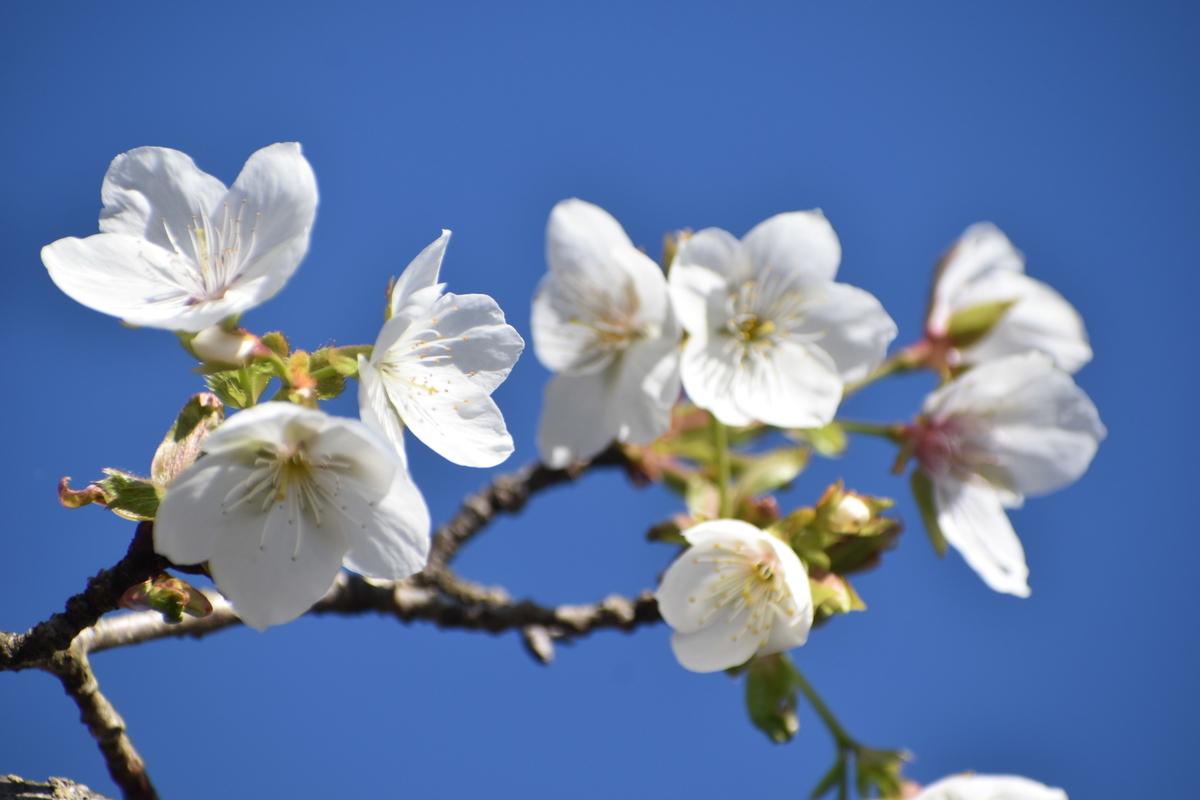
[1073,126]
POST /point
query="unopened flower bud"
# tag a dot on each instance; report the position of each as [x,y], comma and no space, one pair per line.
[215,344]
[851,513]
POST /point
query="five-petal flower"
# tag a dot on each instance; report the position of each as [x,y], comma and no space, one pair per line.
[983,268]
[180,251]
[736,592]
[1008,428]
[602,321]
[282,499]
[771,336]
[435,364]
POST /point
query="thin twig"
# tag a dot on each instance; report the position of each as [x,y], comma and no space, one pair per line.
[107,727]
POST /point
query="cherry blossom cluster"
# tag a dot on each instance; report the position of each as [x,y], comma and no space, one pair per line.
[690,367]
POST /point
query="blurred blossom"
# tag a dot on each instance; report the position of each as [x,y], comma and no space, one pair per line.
[435,364]
[283,498]
[177,250]
[736,592]
[984,269]
[602,321]
[1007,428]
[989,787]
[771,336]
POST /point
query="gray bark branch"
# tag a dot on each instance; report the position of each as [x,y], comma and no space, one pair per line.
[14,788]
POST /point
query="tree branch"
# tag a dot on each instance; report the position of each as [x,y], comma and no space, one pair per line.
[406,600]
[107,727]
[103,594]
[14,788]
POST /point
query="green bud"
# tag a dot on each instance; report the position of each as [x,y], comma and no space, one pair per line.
[769,471]
[833,594]
[170,596]
[971,324]
[129,496]
[829,441]
[277,343]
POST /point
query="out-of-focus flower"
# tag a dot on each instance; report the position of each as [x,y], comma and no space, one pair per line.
[180,251]
[736,592]
[217,345]
[771,336]
[1008,428]
[435,364]
[984,306]
[602,321]
[989,787]
[284,497]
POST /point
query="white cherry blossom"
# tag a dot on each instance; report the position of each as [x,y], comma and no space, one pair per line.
[177,250]
[771,336]
[983,267]
[435,364]
[282,499]
[602,321]
[1007,428]
[989,787]
[736,592]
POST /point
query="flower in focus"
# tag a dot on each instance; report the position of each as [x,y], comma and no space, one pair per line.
[989,787]
[435,364]
[282,499]
[602,321]
[983,276]
[1007,428]
[736,592]
[772,337]
[177,250]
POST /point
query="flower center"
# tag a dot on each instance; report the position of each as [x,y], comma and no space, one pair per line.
[293,478]
[610,318]
[955,445]
[764,311]
[218,252]
[750,585]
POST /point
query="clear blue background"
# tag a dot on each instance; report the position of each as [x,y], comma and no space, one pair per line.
[1073,126]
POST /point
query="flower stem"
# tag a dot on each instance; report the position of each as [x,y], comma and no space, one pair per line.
[843,739]
[247,386]
[281,370]
[721,445]
[891,431]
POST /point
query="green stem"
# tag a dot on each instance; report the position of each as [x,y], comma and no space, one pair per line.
[890,431]
[721,444]
[247,386]
[281,370]
[323,372]
[843,739]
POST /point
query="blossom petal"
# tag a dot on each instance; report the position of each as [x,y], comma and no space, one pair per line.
[274,567]
[421,273]
[797,243]
[562,341]
[395,543]
[981,249]
[719,645]
[581,235]
[716,250]
[441,382]
[698,294]
[973,521]
[275,197]
[647,385]
[989,787]
[575,425]
[1041,320]
[855,330]
[789,385]
[376,410]
[151,190]
[182,535]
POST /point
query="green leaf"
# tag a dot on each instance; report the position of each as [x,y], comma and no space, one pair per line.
[129,496]
[770,471]
[667,532]
[771,697]
[829,441]
[235,392]
[922,489]
[181,446]
[973,323]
